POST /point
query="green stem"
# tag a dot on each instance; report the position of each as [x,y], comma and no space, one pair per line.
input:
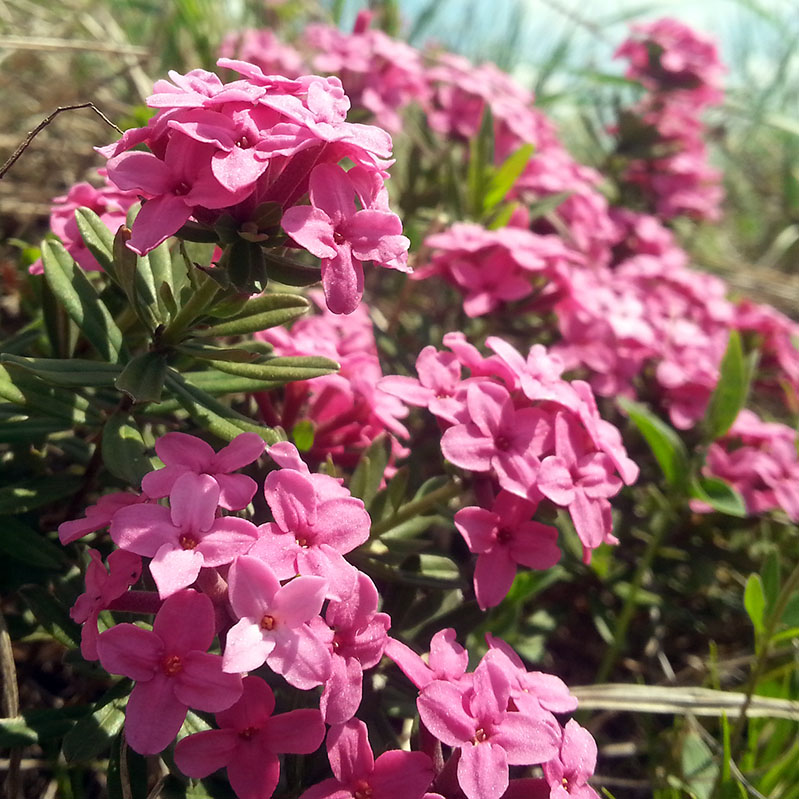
[198,303]
[418,507]
[10,708]
[661,523]
[758,668]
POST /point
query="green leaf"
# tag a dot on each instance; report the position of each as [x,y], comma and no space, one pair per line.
[221,383]
[666,445]
[127,772]
[213,415]
[259,314]
[67,372]
[302,434]
[143,377]
[371,467]
[125,454]
[755,602]
[790,616]
[698,766]
[20,542]
[160,260]
[719,495]
[546,205]
[209,352]
[731,391]
[25,495]
[481,162]
[503,178]
[81,301]
[29,392]
[290,272]
[771,577]
[36,726]
[51,615]
[282,370]
[93,734]
[97,237]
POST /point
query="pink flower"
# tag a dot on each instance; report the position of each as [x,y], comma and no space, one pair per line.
[98,515]
[503,537]
[448,660]
[489,736]
[497,438]
[249,740]
[279,625]
[567,774]
[186,537]
[332,229]
[312,530]
[185,454]
[171,668]
[102,587]
[359,638]
[358,775]
[582,480]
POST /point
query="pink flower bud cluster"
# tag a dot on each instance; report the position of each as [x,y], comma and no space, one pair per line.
[761,461]
[281,595]
[109,203]
[682,72]
[497,716]
[224,149]
[529,435]
[346,410]
[491,267]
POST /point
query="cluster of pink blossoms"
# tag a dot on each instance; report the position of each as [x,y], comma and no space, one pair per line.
[491,267]
[761,461]
[682,72]
[282,595]
[226,149]
[528,435]
[346,410]
[109,202]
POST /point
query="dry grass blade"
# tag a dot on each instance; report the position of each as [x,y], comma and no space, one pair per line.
[680,701]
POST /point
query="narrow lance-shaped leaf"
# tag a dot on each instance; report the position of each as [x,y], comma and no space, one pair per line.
[731,391]
[213,415]
[719,495]
[81,301]
[260,313]
[93,734]
[285,370]
[501,182]
[68,372]
[369,472]
[666,445]
[755,602]
[125,454]
[98,239]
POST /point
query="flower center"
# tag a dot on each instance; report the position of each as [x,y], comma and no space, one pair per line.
[480,735]
[247,733]
[268,622]
[172,665]
[504,535]
[338,237]
[243,142]
[303,542]
[187,541]
[181,189]
[502,442]
[362,790]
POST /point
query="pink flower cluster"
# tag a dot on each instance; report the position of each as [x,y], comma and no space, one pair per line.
[346,410]
[682,73]
[761,461]
[497,716]
[226,149]
[528,435]
[491,267]
[109,202]
[650,309]
[281,595]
